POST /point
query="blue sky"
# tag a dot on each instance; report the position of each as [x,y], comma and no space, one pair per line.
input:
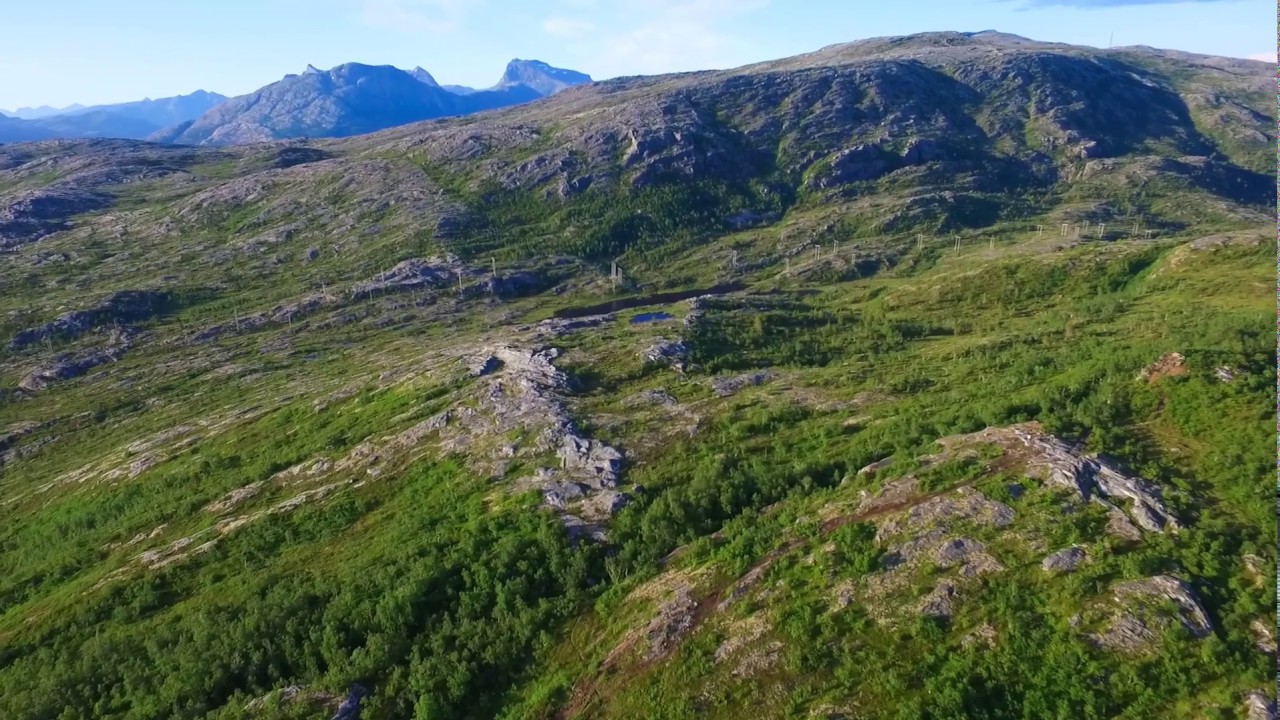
[57,52]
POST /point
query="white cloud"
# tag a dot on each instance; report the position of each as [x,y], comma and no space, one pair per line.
[428,16]
[673,35]
[566,27]
[1264,56]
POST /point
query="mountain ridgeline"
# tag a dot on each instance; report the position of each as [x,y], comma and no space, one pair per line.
[131,120]
[354,99]
[347,100]
[920,377]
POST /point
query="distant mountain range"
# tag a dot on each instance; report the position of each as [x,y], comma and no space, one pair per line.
[133,120]
[353,99]
[27,113]
[349,99]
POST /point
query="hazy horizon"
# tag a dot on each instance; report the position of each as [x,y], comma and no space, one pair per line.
[65,52]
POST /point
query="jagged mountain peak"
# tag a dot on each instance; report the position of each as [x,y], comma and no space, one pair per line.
[544,78]
[421,75]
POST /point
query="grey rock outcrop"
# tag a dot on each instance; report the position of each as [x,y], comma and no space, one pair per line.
[675,619]
[552,328]
[968,555]
[67,366]
[605,504]
[1264,636]
[411,274]
[485,365]
[657,396]
[295,695]
[726,386]
[1119,525]
[516,283]
[1093,478]
[597,461]
[522,393]
[121,307]
[1136,624]
[1064,561]
[938,602]
[671,353]
[860,162]
[30,215]
[1258,705]
[349,709]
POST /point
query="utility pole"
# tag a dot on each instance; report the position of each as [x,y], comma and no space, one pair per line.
[493,264]
[1039,230]
[1102,230]
[919,242]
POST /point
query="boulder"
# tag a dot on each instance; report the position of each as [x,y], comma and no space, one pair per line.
[1065,560]
[1095,478]
[605,504]
[1169,365]
[559,494]
[726,386]
[969,555]
[1264,636]
[1134,627]
[1259,705]
[350,707]
[671,353]
[592,458]
[938,602]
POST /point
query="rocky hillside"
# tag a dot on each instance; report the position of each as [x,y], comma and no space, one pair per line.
[923,377]
[353,99]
